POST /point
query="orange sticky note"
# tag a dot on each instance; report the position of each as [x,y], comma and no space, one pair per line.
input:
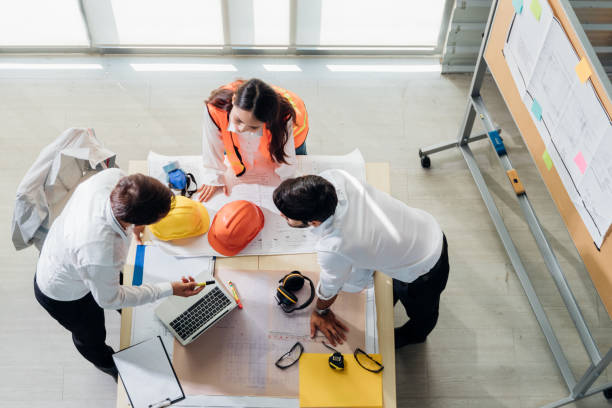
[583,70]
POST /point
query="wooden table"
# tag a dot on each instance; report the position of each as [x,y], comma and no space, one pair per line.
[377,175]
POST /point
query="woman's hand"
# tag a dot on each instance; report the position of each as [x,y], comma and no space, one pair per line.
[186,288]
[206,192]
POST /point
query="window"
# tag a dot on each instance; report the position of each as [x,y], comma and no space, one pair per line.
[271,18]
[42,23]
[388,23]
[303,26]
[258,23]
[162,22]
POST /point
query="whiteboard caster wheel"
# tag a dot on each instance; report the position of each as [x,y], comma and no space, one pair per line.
[425,162]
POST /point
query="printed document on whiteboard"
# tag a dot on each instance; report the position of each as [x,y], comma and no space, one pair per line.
[573,123]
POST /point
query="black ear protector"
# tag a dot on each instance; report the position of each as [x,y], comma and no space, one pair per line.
[285,293]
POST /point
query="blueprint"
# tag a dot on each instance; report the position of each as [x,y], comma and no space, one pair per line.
[239,352]
[568,113]
[158,266]
[276,237]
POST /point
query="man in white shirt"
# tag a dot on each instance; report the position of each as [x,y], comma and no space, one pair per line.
[78,271]
[362,229]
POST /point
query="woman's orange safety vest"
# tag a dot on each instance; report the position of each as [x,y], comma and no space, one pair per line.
[230,140]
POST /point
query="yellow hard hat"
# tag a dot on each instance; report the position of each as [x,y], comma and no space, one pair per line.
[187,218]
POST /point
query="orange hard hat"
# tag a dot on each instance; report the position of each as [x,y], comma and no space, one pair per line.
[234,226]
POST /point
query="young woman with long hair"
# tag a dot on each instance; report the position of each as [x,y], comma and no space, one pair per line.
[252,123]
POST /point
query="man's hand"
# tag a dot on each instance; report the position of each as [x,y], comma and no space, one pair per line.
[186,288]
[331,327]
[138,230]
[206,192]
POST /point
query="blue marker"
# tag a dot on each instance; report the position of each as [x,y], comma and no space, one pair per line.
[498,143]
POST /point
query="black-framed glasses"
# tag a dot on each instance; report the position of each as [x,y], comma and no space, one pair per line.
[291,357]
[367,362]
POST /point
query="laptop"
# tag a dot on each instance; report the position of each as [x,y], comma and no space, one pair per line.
[187,318]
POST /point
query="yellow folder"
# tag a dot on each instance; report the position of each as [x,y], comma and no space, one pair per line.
[322,387]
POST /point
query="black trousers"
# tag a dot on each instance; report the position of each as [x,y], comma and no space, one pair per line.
[84,318]
[421,299]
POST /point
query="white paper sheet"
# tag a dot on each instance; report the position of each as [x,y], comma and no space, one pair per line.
[240,350]
[371,322]
[521,83]
[158,267]
[527,37]
[553,77]
[574,125]
[276,237]
[271,402]
[147,374]
[596,191]
[143,318]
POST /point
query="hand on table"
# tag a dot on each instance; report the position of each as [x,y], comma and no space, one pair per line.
[206,192]
[186,288]
[333,329]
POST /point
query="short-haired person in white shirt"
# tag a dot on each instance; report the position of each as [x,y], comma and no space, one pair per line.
[78,271]
[362,229]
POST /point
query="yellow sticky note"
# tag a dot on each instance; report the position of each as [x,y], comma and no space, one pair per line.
[547,160]
[353,387]
[583,70]
[536,9]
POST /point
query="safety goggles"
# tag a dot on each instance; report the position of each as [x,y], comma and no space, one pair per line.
[367,362]
[291,357]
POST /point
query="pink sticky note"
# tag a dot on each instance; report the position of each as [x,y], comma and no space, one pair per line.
[580,162]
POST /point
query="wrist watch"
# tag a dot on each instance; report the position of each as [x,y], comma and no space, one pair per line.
[322,312]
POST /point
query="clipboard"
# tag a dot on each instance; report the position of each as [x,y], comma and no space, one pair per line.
[147,375]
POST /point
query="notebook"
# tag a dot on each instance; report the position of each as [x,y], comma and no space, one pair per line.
[322,387]
[147,375]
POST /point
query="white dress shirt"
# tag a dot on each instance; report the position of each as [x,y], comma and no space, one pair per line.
[48,183]
[86,248]
[370,230]
[213,152]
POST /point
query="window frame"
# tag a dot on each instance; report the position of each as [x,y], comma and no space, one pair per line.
[291,49]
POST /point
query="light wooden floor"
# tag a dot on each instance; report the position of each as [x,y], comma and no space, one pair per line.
[487,350]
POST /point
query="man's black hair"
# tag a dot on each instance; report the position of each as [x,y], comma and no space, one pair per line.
[306,199]
[140,200]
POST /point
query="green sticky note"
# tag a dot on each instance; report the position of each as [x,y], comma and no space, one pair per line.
[547,160]
[536,9]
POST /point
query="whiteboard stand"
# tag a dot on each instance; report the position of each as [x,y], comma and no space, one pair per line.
[578,388]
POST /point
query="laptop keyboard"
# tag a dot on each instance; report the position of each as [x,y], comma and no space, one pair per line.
[200,313]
